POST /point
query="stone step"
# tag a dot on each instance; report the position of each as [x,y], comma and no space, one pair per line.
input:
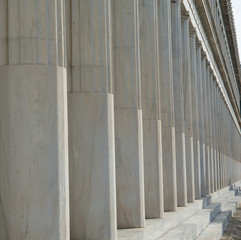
[193,226]
[216,228]
[205,210]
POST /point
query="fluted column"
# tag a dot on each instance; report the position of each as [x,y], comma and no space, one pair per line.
[195,113]
[201,117]
[221,140]
[216,134]
[208,150]
[128,114]
[213,134]
[33,115]
[179,103]
[209,99]
[4,33]
[167,105]
[205,119]
[91,122]
[152,137]
[229,140]
[219,137]
[187,94]
[226,143]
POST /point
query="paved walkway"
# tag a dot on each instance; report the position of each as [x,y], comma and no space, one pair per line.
[233,231]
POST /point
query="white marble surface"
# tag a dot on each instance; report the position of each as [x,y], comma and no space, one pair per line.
[90,46]
[187,95]
[128,114]
[194,58]
[92,166]
[153,171]
[129,168]
[152,136]
[169,168]
[187,222]
[190,169]
[205,126]
[181,169]
[178,101]
[34,153]
[167,104]
[197,168]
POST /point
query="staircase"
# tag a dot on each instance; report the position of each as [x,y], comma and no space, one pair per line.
[204,219]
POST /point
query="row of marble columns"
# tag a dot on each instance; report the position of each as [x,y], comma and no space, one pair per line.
[110,114]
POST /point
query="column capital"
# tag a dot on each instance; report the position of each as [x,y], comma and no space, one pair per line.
[176,1]
[203,54]
[215,80]
[192,31]
[198,43]
[185,17]
[208,65]
[211,71]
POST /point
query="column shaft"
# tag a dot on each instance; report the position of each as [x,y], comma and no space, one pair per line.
[178,103]
[205,115]
[201,118]
[91,122]
[209,104]
[195,115]
[187,95]
[167,105]
[152,138]
[128,114]
[213,134]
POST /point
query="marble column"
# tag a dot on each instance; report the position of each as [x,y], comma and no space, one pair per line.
[128,114]
[187,94]
[179,102]
[34,189]
[195,113]
[201,118]
[213,135]
[91,123]
[216,133]
[205,119]
[167,105]
[208,149]
[152,137]
[209,99]
[226,143]
[221,141]
[219,136]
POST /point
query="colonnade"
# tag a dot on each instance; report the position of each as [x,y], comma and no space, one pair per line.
[111,113]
